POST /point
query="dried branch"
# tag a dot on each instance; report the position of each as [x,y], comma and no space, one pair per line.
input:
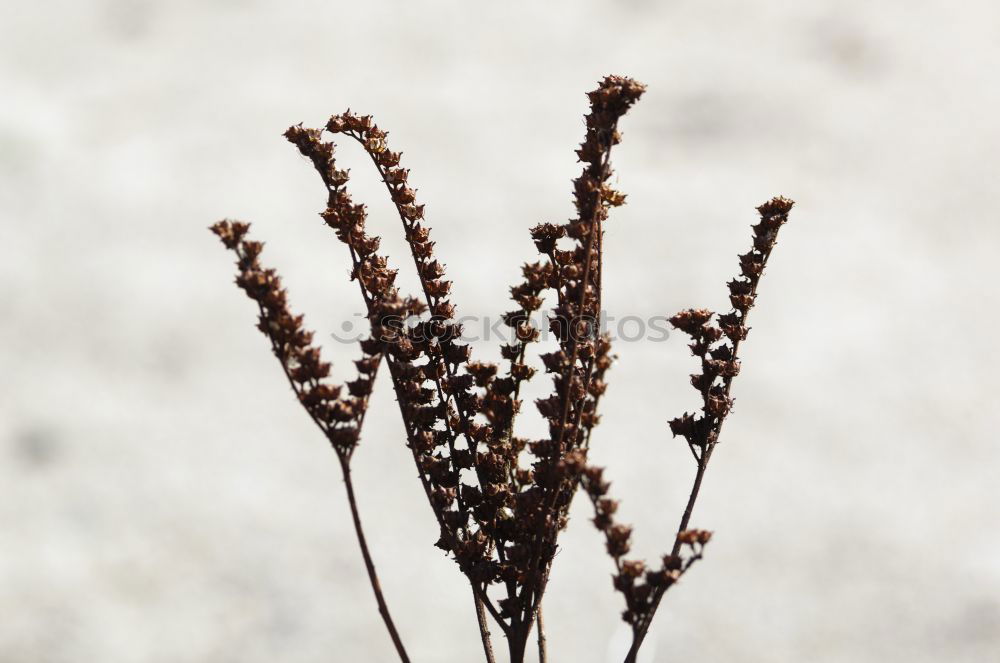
[340,418]
[434,340]
[501,501]
[720,365]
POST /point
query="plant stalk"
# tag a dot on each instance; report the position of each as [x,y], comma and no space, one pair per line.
[383,609]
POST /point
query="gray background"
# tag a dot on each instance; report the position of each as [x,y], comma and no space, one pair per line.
[162,498]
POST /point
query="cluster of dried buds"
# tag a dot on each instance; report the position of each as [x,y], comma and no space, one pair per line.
[500,500]
[717,345]
[338,416]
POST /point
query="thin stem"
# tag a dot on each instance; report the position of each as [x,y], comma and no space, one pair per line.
[484,628]
[640,631]
[693,497]
[485,600]
[383,609]
[542,651]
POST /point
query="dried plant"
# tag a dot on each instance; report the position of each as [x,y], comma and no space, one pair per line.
[500,500]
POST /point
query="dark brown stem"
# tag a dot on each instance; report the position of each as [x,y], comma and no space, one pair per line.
[641,629]
[695,489]
[484,628]
[485,601]
[383,609]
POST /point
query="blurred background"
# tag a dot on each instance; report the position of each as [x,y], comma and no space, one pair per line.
[162,496]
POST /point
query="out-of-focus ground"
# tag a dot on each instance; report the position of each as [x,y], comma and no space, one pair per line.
[163,499]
